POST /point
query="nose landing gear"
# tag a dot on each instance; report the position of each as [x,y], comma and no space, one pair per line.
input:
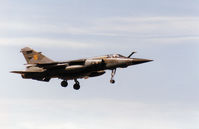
[112,76]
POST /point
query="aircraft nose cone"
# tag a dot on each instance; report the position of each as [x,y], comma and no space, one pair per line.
[140,61]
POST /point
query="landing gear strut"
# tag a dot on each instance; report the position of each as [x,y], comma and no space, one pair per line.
[64,83]
[76,86]
[112,76]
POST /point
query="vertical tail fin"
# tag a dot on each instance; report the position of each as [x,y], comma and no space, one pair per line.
[33,57]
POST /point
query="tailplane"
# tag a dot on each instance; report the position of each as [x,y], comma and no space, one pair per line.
[33,57]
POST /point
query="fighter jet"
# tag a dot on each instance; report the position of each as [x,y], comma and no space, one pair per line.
[42,68]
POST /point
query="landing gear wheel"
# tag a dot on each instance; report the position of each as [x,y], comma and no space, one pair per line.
[112,81]
[64,83]
[76,86]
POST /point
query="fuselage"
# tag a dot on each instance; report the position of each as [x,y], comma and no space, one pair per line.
[91,67]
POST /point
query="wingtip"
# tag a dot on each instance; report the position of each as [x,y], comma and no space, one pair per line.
[18,72]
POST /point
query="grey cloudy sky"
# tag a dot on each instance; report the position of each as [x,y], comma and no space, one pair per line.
[158,95]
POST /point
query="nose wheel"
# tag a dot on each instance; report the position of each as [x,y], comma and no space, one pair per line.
[112,81]
[112,76]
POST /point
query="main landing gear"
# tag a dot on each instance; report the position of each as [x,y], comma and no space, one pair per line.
[112,76]
[76,86]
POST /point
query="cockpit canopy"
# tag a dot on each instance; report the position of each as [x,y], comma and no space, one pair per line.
[115,56]
[110,56]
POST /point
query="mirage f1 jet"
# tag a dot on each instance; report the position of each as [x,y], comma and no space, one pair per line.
[41,68]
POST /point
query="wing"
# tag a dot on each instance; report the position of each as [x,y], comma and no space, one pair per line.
[32,75]
[70,62]
[24,72]
[60,65]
